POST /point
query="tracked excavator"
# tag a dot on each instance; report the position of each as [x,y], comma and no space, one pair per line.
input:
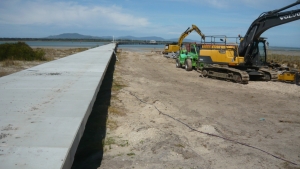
[174,48]
[248,59]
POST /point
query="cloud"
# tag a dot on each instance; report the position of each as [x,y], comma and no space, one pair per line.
[264,5]
[64,14]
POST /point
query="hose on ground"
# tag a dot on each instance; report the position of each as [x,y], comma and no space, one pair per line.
[209,134]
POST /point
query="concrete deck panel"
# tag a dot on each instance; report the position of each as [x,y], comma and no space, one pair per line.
[44,109]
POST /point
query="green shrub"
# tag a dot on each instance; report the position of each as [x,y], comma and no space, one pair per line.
[284,59]
[20,51]
[9,62]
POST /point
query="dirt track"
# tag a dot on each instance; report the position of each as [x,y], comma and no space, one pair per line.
[158,98]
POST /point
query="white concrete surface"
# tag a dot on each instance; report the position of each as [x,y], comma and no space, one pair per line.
[44,109]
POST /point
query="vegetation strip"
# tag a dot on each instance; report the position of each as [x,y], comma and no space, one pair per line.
[20,51]
[209,134]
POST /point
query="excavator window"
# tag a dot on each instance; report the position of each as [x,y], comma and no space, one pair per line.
[262,53]
[258,54]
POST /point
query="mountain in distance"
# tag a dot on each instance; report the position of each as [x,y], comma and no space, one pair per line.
[76,36]
[79,36]
[152,38]
[141,38]
[185,40]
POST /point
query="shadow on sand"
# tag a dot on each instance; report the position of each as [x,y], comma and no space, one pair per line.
[90,149]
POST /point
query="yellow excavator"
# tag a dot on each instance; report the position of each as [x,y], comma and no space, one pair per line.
[174,48]
[247,60]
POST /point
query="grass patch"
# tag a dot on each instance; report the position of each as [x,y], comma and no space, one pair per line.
[9,62]
[179,145]
[131,154]
[112,124]
[120,154]
[287,165]
[110,141]
[117,85]
[123,143]
[77,50]
[20,51]
[288,60]
[115,111]
[4,73]
[118,54]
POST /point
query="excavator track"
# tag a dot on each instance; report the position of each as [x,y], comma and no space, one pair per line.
[270,75]
[226,73]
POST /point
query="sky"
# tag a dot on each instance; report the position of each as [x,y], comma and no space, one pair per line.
[142,18]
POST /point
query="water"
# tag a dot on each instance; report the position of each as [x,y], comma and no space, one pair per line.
[161,47]
[142,47]
[287,51]
[128,47]
[272,49]
[278,48]
[59,44]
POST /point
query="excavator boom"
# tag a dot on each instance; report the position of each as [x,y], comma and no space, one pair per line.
[264,22]
[187,32]
[175,48]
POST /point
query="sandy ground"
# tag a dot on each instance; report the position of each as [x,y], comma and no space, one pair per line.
[166,117]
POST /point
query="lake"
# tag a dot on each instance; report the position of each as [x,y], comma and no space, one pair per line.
[154,47]
[59,43]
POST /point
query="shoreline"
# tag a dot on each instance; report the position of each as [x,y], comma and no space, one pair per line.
[140,49]
[285,52]
[270,51]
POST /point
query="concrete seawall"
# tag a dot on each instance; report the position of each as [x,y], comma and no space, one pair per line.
[44,109]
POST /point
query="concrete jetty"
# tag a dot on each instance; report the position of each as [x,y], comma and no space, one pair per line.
[44,109]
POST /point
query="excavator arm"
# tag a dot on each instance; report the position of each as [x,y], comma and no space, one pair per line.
[187,32]
[264,22]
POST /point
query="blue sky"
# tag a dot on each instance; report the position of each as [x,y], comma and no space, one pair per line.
[141,18]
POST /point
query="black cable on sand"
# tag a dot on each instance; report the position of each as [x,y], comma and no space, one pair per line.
[213,135]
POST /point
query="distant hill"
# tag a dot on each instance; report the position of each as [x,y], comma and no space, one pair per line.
[76,36]
[141,38]
[79,36]
[185,40]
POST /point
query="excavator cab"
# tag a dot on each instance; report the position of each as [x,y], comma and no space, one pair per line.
[265,21]
[257,54]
